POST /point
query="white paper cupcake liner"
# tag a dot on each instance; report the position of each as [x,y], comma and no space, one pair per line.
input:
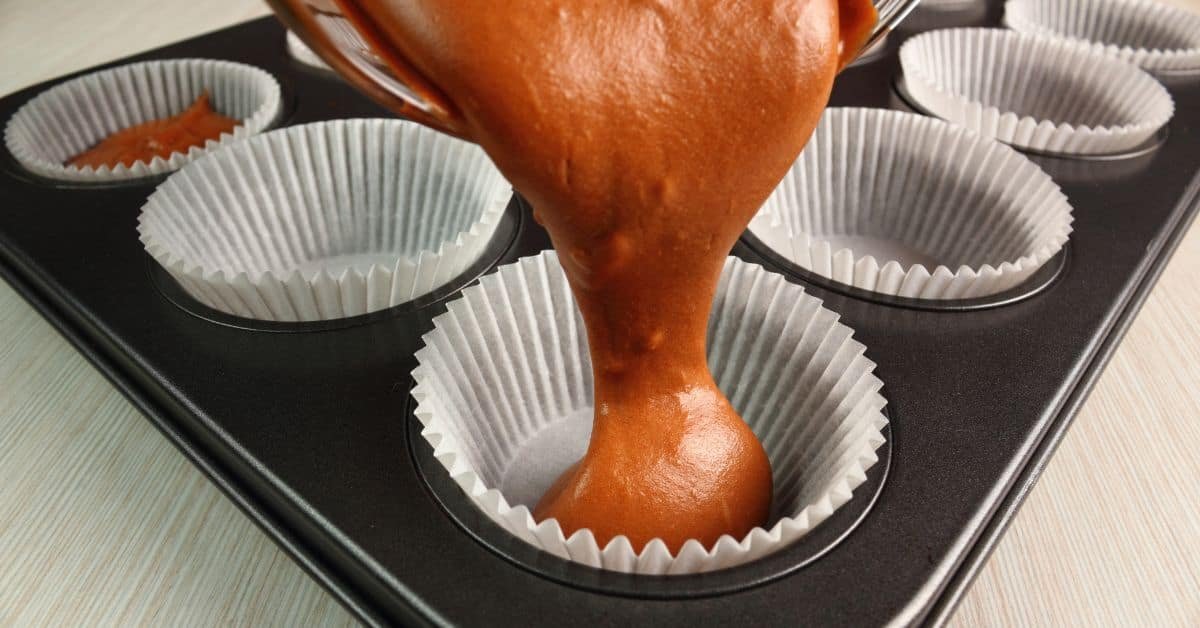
[1034,92]
[325,220]
[945,14]
[948,4]
[1152,35]
[74,116]
[906,205]
[302,53]
[504,390]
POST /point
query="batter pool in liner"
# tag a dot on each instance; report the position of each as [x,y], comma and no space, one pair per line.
[195,126]
[504,392]
[72,117]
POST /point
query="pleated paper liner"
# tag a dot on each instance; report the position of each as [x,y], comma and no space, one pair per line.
[503,388]
[905,205]
[326,220]
[930,15]
[74,116]
[952,5]
[300,51]
[1034,92]
[1151,34]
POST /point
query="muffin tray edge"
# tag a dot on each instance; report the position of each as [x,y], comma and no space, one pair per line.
[276,436]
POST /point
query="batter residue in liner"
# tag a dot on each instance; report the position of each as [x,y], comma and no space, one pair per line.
[158,138]
[645,133]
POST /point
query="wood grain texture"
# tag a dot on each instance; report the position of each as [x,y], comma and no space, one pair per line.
[102,522]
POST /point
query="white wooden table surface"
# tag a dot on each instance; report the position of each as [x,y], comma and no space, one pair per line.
[102,522]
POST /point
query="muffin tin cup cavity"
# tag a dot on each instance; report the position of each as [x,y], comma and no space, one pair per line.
[1034,92]
[504,391]
[904,205]
[326,220]
[74,116]
[1153,35]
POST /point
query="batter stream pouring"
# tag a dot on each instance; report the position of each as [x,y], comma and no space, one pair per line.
[645,134]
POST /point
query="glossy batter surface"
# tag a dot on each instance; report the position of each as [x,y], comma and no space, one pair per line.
[158,138]
[646,134]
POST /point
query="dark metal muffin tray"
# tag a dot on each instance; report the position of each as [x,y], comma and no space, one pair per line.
[308,428]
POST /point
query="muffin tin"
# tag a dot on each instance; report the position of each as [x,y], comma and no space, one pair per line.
[309,427]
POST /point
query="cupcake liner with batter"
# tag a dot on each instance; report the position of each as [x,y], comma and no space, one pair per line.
[504,391]
[72,117]
[325,220]
[906,205]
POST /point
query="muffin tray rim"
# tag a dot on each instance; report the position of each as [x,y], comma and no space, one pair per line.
[379,597]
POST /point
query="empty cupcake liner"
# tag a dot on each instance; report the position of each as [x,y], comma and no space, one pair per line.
[1034,92]
[906,205]
[74,116]
[302,53]
[504,390]
[1152,35]
[325,220]
[945,14]
[948,4]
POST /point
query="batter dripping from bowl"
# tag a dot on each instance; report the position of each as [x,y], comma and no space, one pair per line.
[645,134]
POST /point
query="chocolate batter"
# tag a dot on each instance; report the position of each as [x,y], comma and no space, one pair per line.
[646,134]
[158,138]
